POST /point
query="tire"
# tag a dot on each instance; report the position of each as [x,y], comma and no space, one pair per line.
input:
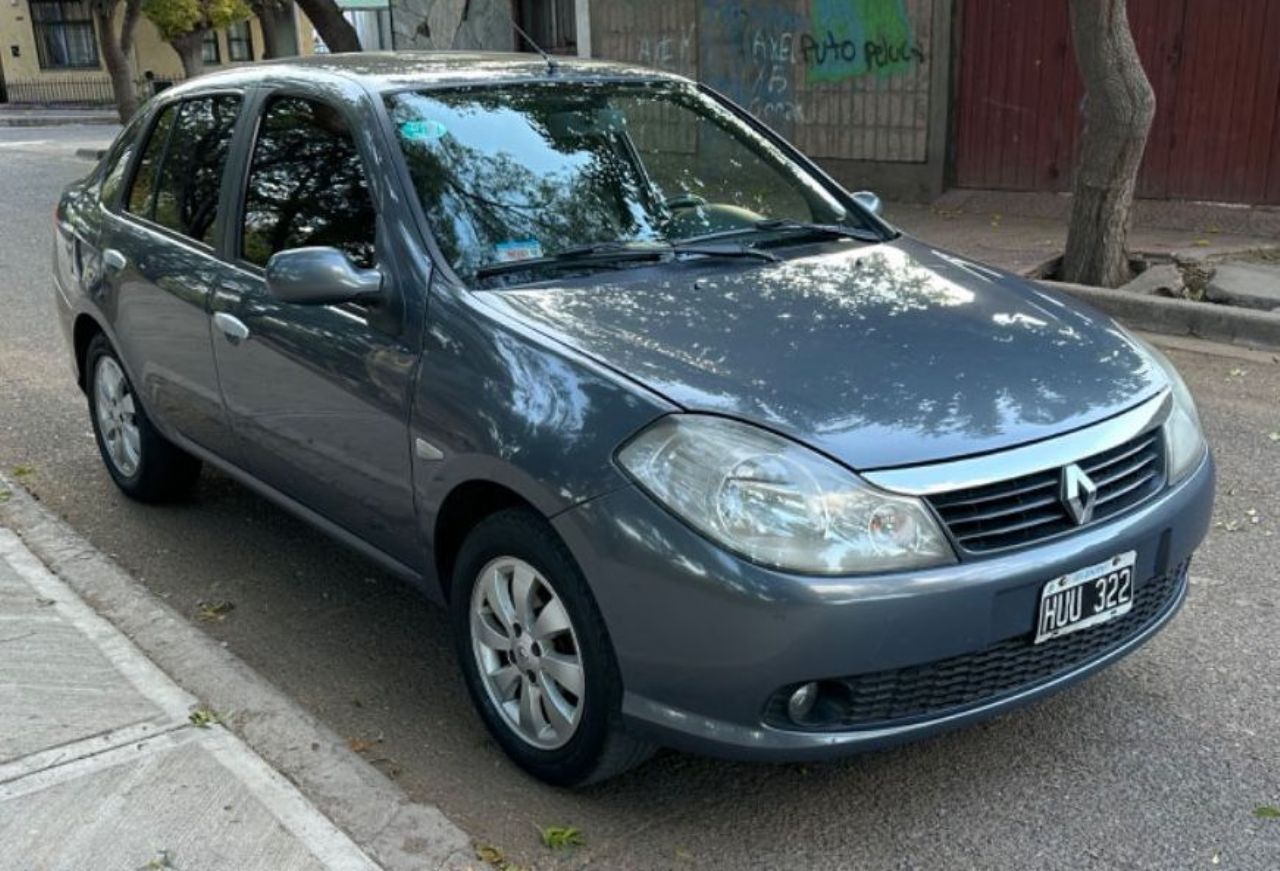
[596,746]
[148,468]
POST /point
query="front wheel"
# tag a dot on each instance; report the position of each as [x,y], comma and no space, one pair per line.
[535,654]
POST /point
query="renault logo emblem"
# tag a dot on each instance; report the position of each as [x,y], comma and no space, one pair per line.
[1079,494]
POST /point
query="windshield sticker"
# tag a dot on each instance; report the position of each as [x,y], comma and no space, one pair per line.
[522,249]
[423,130]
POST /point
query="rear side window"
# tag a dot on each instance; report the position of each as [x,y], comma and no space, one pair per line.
[144,180]
[118,163]
[179,177]
[306,185]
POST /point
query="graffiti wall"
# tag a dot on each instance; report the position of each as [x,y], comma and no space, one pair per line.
[844,79]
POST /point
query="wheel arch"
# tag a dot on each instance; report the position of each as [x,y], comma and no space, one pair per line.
[82,333]
[467,504]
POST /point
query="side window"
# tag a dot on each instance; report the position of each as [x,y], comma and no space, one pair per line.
[118,163]
[187,189]
[178,177]
[144,180]
[306,185]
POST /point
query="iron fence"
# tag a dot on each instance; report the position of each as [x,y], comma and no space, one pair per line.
[64,90]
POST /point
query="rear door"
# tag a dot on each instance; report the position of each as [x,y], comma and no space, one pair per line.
[158,256]
[318,394]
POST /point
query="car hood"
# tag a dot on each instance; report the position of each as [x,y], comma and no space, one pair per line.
[884,355]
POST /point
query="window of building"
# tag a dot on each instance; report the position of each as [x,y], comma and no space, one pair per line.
[240,41]
[178,180]
[306,185]
[65,37]
[209,48]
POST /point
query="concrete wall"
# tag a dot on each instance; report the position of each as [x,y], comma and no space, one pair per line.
[439,24]
[861,85]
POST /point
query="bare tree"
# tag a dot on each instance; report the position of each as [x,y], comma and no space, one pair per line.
[1118,107]
[334,29]
[117,50]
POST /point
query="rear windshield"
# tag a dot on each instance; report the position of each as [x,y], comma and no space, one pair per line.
[526,171]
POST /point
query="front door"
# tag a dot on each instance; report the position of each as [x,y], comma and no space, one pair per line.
[318,394]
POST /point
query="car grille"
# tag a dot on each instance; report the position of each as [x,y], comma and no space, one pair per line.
[895,696]
[1029,508]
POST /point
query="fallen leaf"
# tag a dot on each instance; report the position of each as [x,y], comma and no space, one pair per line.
[1267,812]
[203,718]
[22,471]
[215,611]
[560,837]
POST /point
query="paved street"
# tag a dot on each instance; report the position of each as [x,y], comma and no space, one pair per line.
[1160,762]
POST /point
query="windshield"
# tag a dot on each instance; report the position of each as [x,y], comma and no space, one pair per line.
[535,171]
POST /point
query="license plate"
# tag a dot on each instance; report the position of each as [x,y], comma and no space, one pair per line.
[1086,597]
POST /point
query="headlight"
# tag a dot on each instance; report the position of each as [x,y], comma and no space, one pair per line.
[778,503]
[1183,438]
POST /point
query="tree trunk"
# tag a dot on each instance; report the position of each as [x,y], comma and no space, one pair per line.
[117,46]
[190,49]
[1118,107]
[273,17]
[336,31]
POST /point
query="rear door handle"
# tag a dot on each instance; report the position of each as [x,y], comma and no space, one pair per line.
[114,260]
[231,327]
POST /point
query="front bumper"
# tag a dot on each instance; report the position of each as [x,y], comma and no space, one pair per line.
[705,639]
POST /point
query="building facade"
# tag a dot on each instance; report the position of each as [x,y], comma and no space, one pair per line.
[50,51]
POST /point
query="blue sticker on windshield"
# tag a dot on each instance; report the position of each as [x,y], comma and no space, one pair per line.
[522,249]
[422,130]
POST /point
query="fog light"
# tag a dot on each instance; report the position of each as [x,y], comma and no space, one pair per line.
[801,702]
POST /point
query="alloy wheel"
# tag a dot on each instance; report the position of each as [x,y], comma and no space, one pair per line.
[527,652]
[116,415]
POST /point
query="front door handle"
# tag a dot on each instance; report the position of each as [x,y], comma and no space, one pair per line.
[114,260]
[232,327]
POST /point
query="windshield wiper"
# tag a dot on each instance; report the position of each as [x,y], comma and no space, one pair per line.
[606,255]
[815,228]
[611,255]
[714,250]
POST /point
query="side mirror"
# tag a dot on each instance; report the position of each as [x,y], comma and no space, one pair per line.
[320,276]
[870,202]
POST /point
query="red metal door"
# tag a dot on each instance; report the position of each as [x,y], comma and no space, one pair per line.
[1214,67]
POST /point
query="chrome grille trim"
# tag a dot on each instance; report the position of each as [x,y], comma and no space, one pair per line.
[1043,456]
[1022,511]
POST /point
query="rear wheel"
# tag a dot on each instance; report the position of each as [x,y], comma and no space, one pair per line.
[144,464]
[535,654]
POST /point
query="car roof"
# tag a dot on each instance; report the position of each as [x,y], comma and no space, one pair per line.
[383,71]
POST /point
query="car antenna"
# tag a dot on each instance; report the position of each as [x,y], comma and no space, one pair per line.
[552,65]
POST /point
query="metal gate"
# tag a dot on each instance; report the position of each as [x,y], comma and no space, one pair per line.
[1214,66]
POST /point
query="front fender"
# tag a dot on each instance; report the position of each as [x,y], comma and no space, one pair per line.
[495,402]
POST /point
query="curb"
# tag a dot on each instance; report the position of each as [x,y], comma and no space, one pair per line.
[57,120]
[397,832]
[1180,317]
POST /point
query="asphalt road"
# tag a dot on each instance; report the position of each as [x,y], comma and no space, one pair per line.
[1159,762]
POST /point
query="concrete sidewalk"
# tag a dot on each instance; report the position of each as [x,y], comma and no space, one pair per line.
[131,740]
[1019,231]
[102,766]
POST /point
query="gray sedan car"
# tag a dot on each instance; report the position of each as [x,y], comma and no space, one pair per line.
[697,449]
